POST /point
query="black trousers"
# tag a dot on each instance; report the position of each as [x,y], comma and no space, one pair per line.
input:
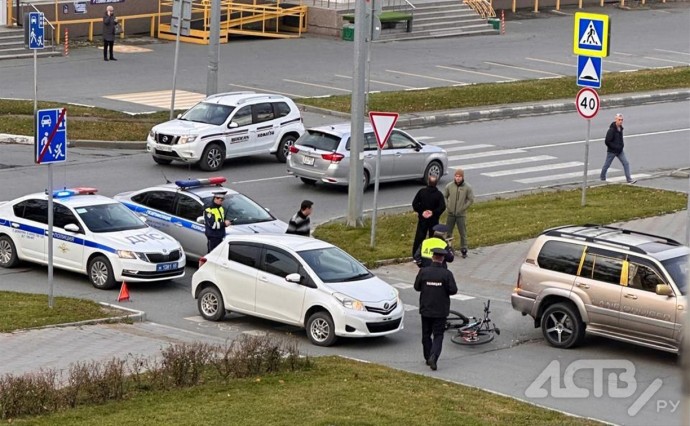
[213,243]
[432,336]
[425,228]
[108,45]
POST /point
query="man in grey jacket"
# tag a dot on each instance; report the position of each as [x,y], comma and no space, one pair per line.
[459,197]
[109,23]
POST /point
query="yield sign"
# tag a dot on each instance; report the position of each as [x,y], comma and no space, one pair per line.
[383,123]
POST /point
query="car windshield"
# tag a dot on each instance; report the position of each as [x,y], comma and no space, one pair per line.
[242,210]
[677,267]
[109,218]
[333,265]
[319,140]
[208,113]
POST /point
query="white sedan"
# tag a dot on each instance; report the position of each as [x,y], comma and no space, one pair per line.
[299,281]
[92,234]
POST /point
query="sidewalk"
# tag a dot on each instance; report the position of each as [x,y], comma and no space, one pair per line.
[58,347]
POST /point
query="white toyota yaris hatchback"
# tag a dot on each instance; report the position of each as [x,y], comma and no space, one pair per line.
[299,281]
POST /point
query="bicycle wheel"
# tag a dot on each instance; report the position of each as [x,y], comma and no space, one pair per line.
[470,338]
[456,320]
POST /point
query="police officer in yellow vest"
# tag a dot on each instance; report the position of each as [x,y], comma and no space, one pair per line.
[424,253]
[215,220]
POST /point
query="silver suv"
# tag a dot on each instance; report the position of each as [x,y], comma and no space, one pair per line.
[228,125]
[607,281]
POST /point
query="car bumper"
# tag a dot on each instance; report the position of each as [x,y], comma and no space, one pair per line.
[138,271]
[331,175]
[187,152]
[522,304]
[369,324]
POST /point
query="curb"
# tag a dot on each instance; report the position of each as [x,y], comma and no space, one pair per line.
[133,315]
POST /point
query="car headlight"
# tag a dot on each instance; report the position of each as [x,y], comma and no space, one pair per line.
[350,302]
[186,139]
[126,254]
[152,134]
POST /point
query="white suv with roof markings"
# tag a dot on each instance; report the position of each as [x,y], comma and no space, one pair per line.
[228,125]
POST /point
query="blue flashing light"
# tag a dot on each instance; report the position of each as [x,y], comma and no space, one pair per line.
[63,193]
[190,183]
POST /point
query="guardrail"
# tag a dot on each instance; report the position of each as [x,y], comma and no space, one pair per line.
[482,7]
[121,19]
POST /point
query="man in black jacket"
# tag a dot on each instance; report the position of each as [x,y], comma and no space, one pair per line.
[429,205]
[436,284]
[300,224]
[614,148]
[109,23]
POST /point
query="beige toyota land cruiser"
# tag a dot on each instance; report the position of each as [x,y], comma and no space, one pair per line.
[606,281]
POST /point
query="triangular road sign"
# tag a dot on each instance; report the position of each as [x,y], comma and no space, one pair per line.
[590,36]
[383,123]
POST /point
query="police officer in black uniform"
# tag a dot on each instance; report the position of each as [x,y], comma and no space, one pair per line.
[215,220]
[436,284]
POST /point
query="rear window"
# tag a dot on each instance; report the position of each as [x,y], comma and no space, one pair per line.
[560,257]
[319,140]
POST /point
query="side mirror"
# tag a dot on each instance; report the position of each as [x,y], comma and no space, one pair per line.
[233,125]
[201,220]
[143,218]
[71,227]
[664,290]
[179,115]
[294,278]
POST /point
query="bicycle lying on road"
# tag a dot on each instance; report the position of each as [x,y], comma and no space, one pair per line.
[471,330]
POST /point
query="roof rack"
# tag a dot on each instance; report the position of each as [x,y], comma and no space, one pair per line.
[259,96]
[559,233]
[219,95]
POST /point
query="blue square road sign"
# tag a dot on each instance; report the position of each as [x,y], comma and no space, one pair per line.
[36,36]
[589,71]
[51,136]
[591,34]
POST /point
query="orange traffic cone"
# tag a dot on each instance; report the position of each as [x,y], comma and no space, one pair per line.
[124,293]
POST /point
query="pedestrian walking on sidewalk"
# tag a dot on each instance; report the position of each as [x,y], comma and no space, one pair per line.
[436,284]
[109,24]
[459,197]
[429,205]
[300,224]
[614,148]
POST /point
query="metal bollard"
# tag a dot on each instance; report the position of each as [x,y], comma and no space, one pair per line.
[503,22]
[66,50]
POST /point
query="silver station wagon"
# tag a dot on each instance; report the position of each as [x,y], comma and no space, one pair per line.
[322,154]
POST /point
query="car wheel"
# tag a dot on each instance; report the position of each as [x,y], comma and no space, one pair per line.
[101,273]
[320,329]
[308,181]
[162,161]
[366,181]
[8,253]
[210,304]
[212,158]
[284,147]
[562,326]
[434,168]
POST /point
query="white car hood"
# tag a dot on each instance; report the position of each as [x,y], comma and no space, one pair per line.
[182,127]
[273,227]
[141,240]
[370,290]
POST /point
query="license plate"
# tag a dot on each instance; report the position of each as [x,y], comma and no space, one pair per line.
[164,147]
[163,267]
[309,161]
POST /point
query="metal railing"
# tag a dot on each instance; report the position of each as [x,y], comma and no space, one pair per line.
[482,7]
[349,5]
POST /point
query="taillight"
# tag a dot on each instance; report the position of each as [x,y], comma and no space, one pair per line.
[202,261]
[333,157]
[518,285]
[293,149]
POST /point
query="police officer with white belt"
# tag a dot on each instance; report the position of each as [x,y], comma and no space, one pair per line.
[215,220]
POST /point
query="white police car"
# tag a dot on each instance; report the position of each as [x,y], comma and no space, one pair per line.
[177,209]
[92,234]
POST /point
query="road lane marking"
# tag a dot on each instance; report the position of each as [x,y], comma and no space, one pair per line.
[486,154]
[667,60]
[673,51]
[446,142]
[562,176]
[552,62]
[381,82]
[409,307]
[524,69]
[468,147]
[477,72]
[427,77]
[534,169]
[317,85]
[459,296]
[622,178]
[509,162]
[661,132]
[402,286]
[608,61]
[261,180]
[160,98]
[292,95]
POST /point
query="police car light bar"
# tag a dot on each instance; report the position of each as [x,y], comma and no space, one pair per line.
[81,190]
[200,182]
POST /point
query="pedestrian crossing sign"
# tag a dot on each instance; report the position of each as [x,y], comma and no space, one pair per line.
[591,34]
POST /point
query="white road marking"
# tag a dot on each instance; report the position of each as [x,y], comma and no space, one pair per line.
[317,85]
[402,286]
[511,161]
[258,89]
[562,176]
[160,98]
[459,296]
[379,82]
[552,62]
[477,72]
[608,61]
[673,51]
[486,154]
[446,142]
[427,77]
[534,169]
[424,138]
[622,178]
[260,180]
[409,307]
[667,60]
[523,69]
[468,147]
[661,132]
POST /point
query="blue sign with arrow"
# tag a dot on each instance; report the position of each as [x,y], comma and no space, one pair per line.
[589,71]
[51,136]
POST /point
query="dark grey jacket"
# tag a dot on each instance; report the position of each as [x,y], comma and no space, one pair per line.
[614,139]
[109,27]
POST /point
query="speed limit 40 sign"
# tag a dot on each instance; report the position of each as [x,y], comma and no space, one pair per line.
[587,102]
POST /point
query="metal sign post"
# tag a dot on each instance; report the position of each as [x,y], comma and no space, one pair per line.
[180,22]
[383,123]
[587,104]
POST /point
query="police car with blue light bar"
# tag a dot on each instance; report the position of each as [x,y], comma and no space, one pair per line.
[92,235]
[177,209]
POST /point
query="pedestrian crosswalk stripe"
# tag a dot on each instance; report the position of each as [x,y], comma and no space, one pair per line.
[409,307]
[562,176]
[622,178]
[444,143]
[534,169]
[160,98]
[508,162]
[402,286]
[459,296]
[468,147]
[486,154]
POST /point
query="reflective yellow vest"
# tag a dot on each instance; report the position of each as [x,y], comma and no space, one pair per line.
[431,243]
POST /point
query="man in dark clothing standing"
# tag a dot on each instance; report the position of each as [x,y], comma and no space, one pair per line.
[109,23]
[429,205]
[614,148]
[436,284]
[300,222]
[215,221]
